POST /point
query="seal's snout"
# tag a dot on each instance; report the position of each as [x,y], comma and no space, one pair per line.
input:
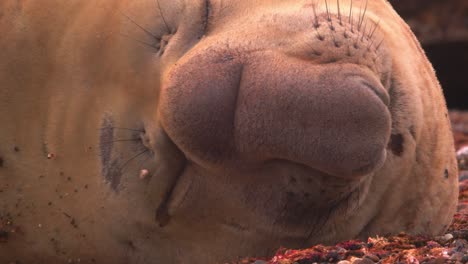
[331,117]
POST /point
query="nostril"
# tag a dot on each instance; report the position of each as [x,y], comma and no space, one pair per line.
[379,91]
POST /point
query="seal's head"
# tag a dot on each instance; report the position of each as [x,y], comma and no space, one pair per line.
[210,130]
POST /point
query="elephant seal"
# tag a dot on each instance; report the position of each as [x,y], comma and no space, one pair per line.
[206,131]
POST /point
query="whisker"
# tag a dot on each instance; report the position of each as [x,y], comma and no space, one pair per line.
[142,162]
[359,18]
[339,12]
[162,16]
[364,31]
[378,46]
[141,27]
[121,140]
[370,44]
[375,28]
[141,42]
[363,14]
[123,128]
[351,20]
[328,13]
[132,158]
[316,23]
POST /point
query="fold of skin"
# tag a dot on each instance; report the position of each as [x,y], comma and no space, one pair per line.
[257,124]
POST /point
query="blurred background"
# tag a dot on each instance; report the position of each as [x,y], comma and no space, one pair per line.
[442,28]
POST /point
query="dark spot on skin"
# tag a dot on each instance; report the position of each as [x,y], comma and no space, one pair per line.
[1,162]
[396,144]
[290,194]
[236,226]
[130,244]
[105,141]
[16,149]
[292,180]
[317,53]
[4,236]
[68,178]
[110,168]
[412,131]
[61,173]
[45,148]
[227,57]
[446,173]
[49,204]
[86,186]
[113,175]
[162,215]
[72,220]
[73,223]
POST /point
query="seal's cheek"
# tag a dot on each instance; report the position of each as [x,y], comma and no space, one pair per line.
[333,117]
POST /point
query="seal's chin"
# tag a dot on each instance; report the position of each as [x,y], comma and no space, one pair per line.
[280,198]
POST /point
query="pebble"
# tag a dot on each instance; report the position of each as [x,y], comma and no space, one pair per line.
[448,237]
[372,257]
[439,260]
[463,175]
[463,234]
[363,261]
[460,245]
[462,157]
[444,238]
[458,256]
[344,262]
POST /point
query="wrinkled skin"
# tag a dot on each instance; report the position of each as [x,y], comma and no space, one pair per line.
[253,124]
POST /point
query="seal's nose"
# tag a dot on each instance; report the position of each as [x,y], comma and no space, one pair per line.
[331,117]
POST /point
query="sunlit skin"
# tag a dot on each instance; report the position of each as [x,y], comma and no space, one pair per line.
[196,131]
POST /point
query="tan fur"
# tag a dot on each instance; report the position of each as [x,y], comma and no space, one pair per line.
[260,123]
